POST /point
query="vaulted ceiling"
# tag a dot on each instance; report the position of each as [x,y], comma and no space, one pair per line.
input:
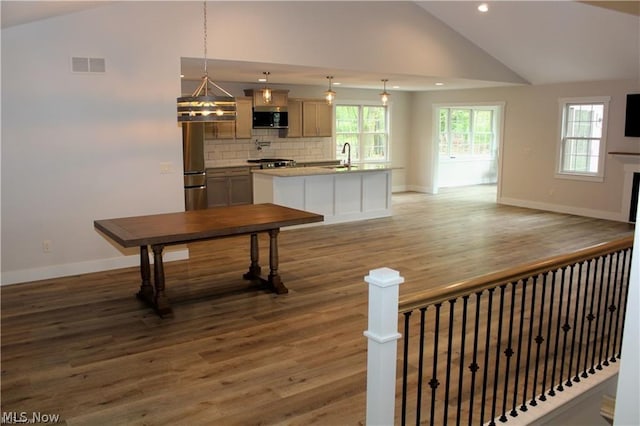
[541,41]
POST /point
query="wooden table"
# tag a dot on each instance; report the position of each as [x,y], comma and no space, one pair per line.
[161,230]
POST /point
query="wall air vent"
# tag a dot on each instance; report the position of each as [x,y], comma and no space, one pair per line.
[79,64]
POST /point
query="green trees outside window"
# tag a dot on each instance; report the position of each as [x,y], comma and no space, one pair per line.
[467,132]
[365,128]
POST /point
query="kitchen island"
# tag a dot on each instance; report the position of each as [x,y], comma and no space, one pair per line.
[339,193]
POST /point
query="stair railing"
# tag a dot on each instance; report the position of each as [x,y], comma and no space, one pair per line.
[488,348]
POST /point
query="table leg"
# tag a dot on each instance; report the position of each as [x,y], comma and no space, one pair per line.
[161,302]
[274,278]
[254,268]
[146,289]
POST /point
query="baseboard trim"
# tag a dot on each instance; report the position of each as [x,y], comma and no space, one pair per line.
[556,208]
[57,271]
[423,189]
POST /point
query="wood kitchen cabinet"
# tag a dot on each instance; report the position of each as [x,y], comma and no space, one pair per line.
[239,129]
[317,118]
[229,186]
[244,118]
[295,118]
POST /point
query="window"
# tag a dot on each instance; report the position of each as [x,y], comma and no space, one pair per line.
[467,132]
[365,128]
[582,138]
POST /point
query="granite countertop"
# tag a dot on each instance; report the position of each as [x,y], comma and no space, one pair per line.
[324,170]
[221,164]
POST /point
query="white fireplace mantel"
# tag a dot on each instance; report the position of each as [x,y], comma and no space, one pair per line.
[629,169]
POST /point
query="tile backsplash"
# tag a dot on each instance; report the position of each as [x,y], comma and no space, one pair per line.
[267,143]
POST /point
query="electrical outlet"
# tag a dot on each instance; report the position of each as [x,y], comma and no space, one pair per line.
[166,168]
[46,246]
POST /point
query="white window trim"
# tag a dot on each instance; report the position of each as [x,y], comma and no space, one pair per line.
[361,103]
[486,106]
[589,177]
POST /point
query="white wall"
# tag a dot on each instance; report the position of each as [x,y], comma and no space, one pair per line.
[79,147]
[530,134]
[93,147]
[460,172]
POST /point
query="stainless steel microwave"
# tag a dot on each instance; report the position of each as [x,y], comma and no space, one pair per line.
[270,119]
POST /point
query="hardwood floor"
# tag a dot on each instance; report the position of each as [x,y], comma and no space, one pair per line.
[85,348]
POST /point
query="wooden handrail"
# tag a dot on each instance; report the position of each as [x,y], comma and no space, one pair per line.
[476,284]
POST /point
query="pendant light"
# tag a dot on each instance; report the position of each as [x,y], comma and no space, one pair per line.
[203,105]
[266,92]
[384,96]
[330,95]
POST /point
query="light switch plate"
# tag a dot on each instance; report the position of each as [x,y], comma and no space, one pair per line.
[166,168]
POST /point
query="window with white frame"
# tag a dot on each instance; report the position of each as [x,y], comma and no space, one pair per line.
[365,128]
[581,148]
[467,132]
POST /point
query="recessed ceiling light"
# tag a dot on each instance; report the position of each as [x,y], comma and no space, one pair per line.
[262,80]
[483,7]
[336,83]
[439,84]
[395,87]
[181,75]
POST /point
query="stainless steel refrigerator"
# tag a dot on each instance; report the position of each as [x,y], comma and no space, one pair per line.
[195,176]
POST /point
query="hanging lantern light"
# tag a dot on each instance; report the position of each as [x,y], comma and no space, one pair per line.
[266,92]
[330,95]
[203,105]
[384,96]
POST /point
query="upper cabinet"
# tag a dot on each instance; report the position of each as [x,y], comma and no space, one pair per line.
[244,118]
[295,118]
[239,129]
[317,118]
[279,98]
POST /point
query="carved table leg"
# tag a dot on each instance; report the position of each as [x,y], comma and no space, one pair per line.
[146,289]
[254,268]
[161,302]
[274,278]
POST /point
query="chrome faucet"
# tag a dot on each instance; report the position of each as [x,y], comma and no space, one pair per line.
[344,147]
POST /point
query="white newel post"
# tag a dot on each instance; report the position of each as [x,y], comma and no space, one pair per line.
[382,334]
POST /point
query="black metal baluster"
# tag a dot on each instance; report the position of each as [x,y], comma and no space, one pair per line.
[539,338]
[552,391]
[514,412]
[604,316]
[463,334]
[434,381]
[543,396]
[497,367]
[620,285]
[508,353]
[566,327]
[597,318]
[449,351]
[420,366]
[613,284]
[486,356]
[405,368]
[584,308]
[569,382]
[528,363]
[590,318]
[474,365]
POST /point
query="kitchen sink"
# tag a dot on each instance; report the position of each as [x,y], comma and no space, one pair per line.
[341,167]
